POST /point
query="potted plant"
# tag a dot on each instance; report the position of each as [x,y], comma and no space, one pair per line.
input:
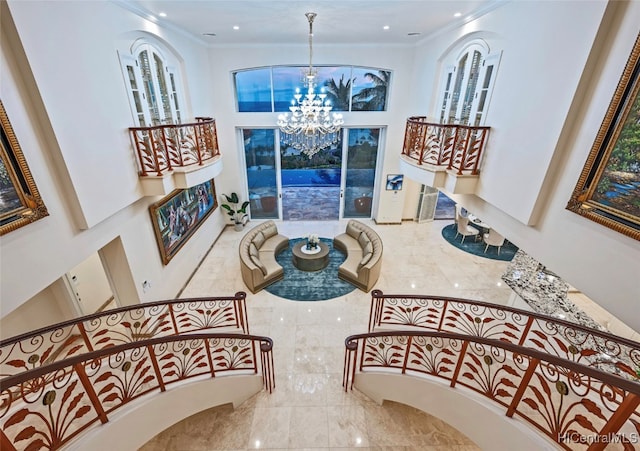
[238,215]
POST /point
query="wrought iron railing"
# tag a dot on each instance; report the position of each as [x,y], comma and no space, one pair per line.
[455,147]
[162,148]
[48,406]
[120,326]
[576,406]
[591,347]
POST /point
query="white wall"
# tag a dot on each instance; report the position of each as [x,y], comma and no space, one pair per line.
[225,60]
[542,61]
[67,101]
[51,305]
[535,155]
[68,105]
[91,284]
[72,52]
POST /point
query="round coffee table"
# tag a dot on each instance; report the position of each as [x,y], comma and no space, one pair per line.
[310,261]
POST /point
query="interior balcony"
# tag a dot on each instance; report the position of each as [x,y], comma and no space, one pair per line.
[444,156]
[176,156]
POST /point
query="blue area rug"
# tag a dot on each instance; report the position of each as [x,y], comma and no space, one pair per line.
[310,286]
[507,251]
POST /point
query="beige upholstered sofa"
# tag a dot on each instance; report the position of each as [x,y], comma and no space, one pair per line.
[258,250]
[363,248]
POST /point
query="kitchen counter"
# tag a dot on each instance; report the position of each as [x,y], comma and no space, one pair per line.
[543,291]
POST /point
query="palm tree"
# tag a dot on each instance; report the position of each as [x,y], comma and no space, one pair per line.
[373,98]
[338,93]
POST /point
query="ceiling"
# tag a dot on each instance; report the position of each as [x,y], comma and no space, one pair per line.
[350,22]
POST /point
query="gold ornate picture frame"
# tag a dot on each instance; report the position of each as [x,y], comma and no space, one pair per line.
[177,216]
[608,190]
[20,201]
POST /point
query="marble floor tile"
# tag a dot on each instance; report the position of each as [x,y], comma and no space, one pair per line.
[309,408]
[270,428]
[309,428]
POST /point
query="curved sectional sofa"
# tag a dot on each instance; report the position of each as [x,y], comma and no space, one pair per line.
[258,250]
[363,248]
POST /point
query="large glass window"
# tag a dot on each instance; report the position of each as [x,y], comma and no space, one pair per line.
[260,157]
[348,88]
[253,90]
[285,82]
[369,89]
[336,83]
[362,155]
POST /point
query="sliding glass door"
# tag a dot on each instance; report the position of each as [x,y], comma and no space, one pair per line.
[311,186]
[337,182]
[261,164]
[360,171]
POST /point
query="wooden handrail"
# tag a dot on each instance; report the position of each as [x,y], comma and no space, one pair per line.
[38,407]
[530,329]
[450,146]
[611,379]
[565,400]
[18,379]
[161,148]
[121,325]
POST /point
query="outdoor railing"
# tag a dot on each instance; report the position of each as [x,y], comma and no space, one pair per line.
[161,148]
[120,326]
[456,147]
[48,406]
[591,347]
[576,406]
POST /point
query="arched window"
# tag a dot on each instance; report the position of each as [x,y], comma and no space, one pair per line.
[153,86]
[348,88]
[467,86]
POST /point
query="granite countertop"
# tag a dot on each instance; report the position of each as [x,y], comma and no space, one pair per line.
[544,291]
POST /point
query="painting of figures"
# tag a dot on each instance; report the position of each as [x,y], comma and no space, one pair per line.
[177,216]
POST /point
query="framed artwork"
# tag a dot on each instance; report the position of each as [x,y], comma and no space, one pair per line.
[20,201]
[608,190]
[176,217]
[394,182]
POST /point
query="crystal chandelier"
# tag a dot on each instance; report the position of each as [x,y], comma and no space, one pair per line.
[311,126]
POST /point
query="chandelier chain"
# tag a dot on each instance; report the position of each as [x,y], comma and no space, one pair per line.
[311,126]
[310,17]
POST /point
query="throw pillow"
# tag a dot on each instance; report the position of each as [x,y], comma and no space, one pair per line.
[366,259]
[270,230]
[253,250]
[256,261]
[352,230]
[368,249]
[363,239]
[258,240]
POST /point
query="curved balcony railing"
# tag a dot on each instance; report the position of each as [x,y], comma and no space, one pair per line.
[120,326]
[454,147]
[46,407]
[591,347]
[162,148]
[576,406]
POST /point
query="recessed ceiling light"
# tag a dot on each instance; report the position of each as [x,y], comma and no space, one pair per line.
[457,14]
[162,14]
[235,27]
[386,27]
